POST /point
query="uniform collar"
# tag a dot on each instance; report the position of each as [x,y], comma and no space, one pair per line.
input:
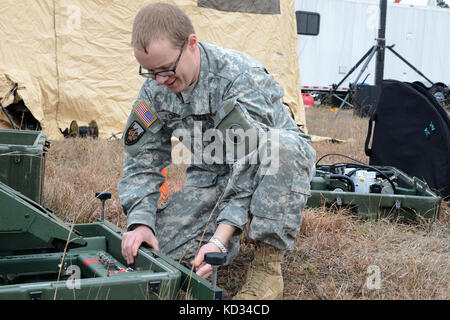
[197,102]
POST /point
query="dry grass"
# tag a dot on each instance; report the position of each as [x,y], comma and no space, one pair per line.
[353,130]
[333,250]
[75,170]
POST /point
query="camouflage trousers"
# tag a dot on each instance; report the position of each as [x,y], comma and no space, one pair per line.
[269,203]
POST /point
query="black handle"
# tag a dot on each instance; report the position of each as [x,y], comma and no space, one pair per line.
[215,258]
[103,195]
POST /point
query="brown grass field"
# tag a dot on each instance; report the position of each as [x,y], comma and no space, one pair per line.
[333,250]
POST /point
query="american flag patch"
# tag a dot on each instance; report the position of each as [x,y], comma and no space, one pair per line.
[145,114]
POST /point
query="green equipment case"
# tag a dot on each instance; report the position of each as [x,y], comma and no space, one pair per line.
[22,161]
[43,258]
[373,192]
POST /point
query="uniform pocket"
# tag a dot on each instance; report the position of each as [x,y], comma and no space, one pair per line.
[237,132]
[200,178]
[301,184]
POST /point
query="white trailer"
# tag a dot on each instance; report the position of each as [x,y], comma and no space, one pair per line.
[347,29]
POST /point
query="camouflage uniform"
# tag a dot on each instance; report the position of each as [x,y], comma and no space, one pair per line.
[231,85]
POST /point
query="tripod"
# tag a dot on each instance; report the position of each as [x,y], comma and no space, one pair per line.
[378,49]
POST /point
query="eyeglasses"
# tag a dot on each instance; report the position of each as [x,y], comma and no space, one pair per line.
[164,73]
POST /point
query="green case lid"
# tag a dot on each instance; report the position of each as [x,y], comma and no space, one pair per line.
[26,225]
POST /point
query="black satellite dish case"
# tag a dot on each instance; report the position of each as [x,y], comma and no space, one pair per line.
[412,133]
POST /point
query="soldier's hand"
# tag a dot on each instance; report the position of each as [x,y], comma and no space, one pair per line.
[204,269]
[132,240]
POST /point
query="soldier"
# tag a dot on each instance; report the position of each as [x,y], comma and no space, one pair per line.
[195,90]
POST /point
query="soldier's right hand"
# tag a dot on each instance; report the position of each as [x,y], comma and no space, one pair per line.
[132,240]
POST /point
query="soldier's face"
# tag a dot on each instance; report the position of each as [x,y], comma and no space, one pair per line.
[162,56]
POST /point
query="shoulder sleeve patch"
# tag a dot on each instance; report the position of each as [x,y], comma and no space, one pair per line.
[145,114]
[134,132]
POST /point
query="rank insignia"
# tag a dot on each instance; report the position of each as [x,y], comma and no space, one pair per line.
[134,132]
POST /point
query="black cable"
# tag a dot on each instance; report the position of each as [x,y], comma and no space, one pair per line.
[361,164]
[347,179]
[340,155]
[352,172]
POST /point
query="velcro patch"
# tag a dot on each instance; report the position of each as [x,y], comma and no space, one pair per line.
[145,114]
[134,132]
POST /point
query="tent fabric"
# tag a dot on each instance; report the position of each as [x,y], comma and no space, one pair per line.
[73,60]
[256,6]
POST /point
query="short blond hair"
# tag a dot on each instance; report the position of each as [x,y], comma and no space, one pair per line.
[161,20]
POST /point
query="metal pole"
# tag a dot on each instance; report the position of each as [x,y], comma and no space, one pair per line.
[372,53]
[409,64]
[381,43]
[13,89]
[7,115]
[103,211]
[214,277]
[356,65]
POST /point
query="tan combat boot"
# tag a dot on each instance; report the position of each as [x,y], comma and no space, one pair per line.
[264,278]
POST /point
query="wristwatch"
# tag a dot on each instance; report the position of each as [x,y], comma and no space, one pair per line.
[218,243]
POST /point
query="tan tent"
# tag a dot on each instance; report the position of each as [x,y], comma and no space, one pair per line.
[72,60]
